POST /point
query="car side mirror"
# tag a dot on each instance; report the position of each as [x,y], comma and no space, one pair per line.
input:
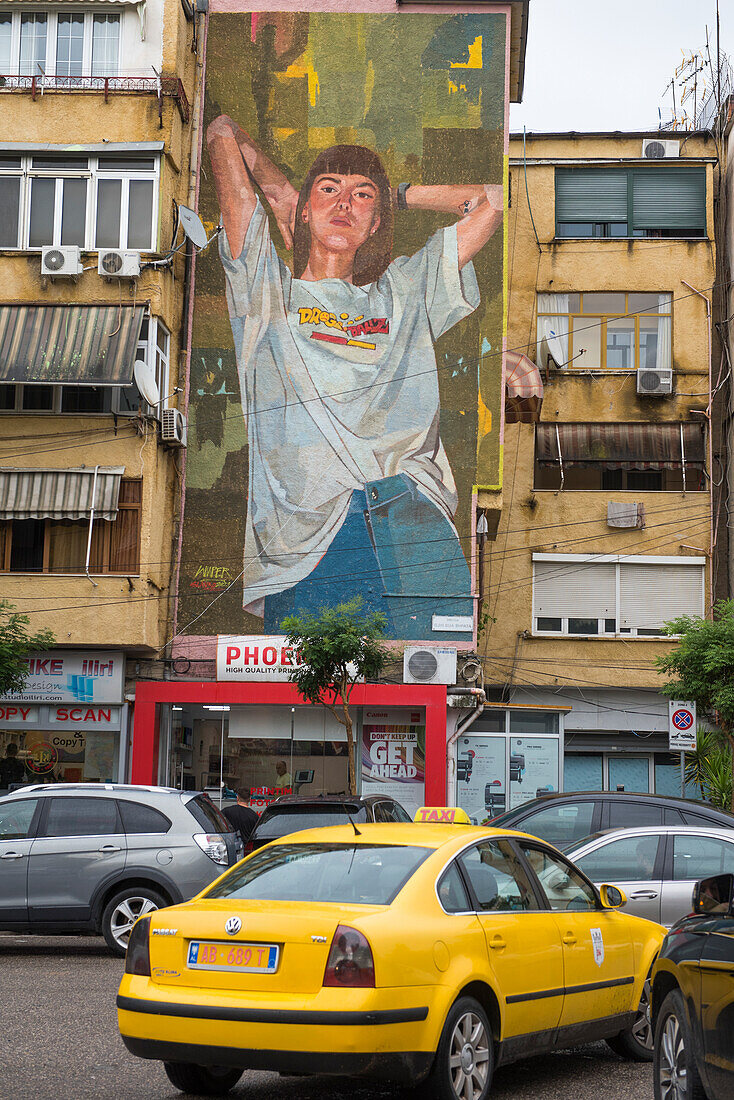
[714,895]
[612,897]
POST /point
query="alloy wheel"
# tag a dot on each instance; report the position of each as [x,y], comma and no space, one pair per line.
[642,1027]
[125,914]
[469,1057]
[672,1073]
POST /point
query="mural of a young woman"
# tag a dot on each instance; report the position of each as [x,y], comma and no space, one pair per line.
[350,489]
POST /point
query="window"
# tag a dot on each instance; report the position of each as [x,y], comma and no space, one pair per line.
[90,201]
[452,892]
[563,886]
[665,201]
[629,859]
[697,857]
[137,818]
[498,878]
[611,457]
[70,44]
[16,818]
[607,331]
[605,594]
[82,817]
[60,546]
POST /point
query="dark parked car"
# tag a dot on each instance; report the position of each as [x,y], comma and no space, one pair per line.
[292,813]
[562,819]
[693,999]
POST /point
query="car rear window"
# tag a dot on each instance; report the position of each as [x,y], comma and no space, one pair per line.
[137,818]
[207,815]
[278,821]
[360,874]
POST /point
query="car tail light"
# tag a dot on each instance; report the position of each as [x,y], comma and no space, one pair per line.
[213,845]
[137,957]
[350,960]
[249,847]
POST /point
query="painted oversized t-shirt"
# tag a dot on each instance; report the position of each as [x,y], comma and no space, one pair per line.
[339,387]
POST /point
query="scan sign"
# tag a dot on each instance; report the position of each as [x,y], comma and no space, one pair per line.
[681,726]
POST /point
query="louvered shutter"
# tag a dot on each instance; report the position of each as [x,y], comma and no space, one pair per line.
[583,590]
[591,195]
[669,198]
[651,595]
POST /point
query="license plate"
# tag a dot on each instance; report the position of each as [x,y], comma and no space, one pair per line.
[251,958]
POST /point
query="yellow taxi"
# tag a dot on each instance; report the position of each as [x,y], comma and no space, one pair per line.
[433,952]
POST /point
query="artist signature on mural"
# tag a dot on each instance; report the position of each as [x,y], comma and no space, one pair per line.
[212,578]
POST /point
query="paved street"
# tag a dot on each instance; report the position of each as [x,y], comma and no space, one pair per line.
[60,1040]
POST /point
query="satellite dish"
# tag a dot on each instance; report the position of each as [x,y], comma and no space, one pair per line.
[146,383]
[192,226]
[554,345]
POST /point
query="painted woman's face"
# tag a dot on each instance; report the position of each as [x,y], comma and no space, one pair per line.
[342,212]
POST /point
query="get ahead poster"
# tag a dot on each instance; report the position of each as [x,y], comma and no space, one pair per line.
[394,755]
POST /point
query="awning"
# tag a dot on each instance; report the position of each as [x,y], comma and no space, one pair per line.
[59,494]
[83,345]
[523,390]
[621,446]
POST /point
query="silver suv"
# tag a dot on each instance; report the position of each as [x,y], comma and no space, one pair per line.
[92,857]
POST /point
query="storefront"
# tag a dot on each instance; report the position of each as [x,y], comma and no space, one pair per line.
[67,722]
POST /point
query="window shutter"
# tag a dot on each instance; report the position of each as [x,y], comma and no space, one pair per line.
[651,595]
[583,590]
[591,195]
[669,198]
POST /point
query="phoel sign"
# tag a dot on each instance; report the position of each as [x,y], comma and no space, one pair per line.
[254,657]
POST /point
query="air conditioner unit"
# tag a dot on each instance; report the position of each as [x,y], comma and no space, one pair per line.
[61,263]
[654,383]
[656,149]
[173,428]
[116,263]
[424,665]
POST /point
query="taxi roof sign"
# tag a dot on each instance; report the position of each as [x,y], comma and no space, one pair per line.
[441,815]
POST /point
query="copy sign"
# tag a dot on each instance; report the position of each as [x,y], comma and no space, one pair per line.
[681,725]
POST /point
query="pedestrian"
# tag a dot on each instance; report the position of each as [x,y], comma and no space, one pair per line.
[282,775]
[12,770]
[242,817]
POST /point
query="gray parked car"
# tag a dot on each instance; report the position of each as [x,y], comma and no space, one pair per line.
[657,866]
[92,857]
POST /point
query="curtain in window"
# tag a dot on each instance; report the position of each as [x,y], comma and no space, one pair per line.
[67,547]
[620,446]
[557,324]
[663,357]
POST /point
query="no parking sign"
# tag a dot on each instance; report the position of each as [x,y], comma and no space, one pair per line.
[681,725]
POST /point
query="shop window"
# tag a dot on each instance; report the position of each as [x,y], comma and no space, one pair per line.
[60,546]
[664,201]
[609,457]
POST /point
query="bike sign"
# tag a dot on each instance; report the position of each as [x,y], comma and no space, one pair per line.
[681,725]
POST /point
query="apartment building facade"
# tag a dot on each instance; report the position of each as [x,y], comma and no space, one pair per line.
[612,496]
[97,106]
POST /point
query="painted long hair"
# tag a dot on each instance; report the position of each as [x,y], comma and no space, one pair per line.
[374,255]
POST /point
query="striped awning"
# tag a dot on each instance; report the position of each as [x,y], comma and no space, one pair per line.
[59,494]
[80,345]
[523,390]
[621,446]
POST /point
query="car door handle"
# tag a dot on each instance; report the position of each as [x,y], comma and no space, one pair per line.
[497,941]
[569,939]
[12,855]
[109,848]
[644,894]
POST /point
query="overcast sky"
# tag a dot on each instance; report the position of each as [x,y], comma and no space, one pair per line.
[594,65]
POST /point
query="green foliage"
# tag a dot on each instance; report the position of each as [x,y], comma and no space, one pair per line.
[15,646]
[338,646]
[709,767]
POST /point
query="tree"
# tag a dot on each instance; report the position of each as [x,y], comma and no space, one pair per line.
[701,669]
[336,648]
[15,645]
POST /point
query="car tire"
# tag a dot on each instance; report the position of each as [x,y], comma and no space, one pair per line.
[636,1043]
[202,1080]
[121,912]
[675,1073]
[464,1062]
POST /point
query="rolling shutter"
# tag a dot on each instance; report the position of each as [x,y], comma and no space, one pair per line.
[584,590]
[669,198]
[591,195]
[651,595]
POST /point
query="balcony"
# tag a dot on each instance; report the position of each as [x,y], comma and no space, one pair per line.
[43,84]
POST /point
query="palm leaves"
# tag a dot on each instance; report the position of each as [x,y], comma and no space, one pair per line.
[709,767]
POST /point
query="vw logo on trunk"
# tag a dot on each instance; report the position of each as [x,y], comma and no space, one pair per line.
[233,926]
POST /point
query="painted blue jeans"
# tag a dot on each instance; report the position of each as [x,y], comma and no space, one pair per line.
[397,551]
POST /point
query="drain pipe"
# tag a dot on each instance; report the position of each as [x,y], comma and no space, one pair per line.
[470,719]
[710,449]
[91,523]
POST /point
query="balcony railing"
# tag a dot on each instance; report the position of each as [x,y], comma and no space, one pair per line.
[159,86]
